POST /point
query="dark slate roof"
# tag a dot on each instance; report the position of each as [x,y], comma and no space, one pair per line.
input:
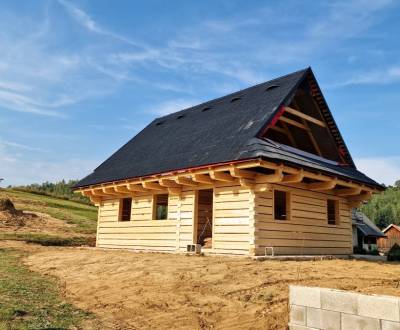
[365,225]
[218,131]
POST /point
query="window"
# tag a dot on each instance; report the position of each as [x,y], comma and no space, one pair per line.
[161,206]
[281,205]
[125,209]
[332,209]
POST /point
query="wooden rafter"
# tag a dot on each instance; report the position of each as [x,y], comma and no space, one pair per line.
[294,178]
[311,137]
[279,129]
[152,185]
[202,178]
[360,198]
[235,172]
[289,134]
[221,176]
[349,191]
[98,192]
[110,191]
[305,117]
[122,189]
[248,183]
[274,178]
[136,187]
[325,185]
[168,183]
[185,181]
[293,122]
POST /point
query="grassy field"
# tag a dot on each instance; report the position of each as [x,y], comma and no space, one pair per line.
[29,300]
[83,216]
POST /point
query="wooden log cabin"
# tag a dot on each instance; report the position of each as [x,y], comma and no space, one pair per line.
[260,170]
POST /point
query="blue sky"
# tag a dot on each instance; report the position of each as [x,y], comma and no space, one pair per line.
[79,78]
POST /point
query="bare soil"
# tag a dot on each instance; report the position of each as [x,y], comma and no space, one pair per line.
[13,220]
[128,290]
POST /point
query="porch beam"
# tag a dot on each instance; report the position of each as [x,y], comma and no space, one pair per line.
[294,178]
[135,187]
[152,185]
[349,191]
[168,183]
[235,172]
[221,176]
[325,185]
[202,178]
[185,181]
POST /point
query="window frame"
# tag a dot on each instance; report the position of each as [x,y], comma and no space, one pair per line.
[337,211]
[154,207]
[288,204]
[121,207]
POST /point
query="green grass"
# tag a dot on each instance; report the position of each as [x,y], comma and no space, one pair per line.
[48,240]
[81,215]
[31,301]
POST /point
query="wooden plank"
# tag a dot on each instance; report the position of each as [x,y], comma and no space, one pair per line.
[305,117]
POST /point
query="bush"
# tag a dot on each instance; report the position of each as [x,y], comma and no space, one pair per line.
[394,253]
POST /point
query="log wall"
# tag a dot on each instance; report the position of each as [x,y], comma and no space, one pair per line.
[306,232]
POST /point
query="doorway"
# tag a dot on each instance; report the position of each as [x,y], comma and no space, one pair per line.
[205,218]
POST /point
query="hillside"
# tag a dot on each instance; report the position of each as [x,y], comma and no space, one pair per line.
[384,208]
[48,220]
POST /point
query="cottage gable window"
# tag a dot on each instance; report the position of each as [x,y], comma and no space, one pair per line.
[333,212]
[125,209]
[161,207]
[281,205]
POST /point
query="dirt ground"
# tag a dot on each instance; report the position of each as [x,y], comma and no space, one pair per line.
[128,290]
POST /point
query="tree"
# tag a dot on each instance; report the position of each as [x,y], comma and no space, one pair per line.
[397,184]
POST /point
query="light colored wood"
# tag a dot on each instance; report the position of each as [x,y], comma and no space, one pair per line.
[349,191]
[152,185]
[305,117]
[293,123]
[294,178]
[221,176]
[135,187]
[202,178]
[327,185]
[122,190]
[185,181]
[168,183]
[243,174]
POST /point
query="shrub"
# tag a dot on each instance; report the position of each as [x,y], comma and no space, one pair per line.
[394,253]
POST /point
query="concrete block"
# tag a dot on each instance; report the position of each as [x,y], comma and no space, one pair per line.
[388,325]
[304,296]
[380,307]
[339,301]
[297,315]
[300,327]
[355,322]
[323,319]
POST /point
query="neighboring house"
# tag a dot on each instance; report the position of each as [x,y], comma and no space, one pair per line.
[263,167]
[365,232]
[392,233]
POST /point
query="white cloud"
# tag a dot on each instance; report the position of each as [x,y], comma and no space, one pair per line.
[383,76]
[382,169]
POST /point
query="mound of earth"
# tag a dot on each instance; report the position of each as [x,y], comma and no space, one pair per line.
[11,217]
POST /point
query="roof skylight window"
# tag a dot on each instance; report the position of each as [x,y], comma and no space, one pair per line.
[205,109]
[271,87]
[237,98]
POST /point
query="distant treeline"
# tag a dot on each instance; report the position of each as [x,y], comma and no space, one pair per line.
[384,208]
[61,189]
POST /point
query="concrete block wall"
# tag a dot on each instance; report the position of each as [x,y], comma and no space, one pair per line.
[313,308]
